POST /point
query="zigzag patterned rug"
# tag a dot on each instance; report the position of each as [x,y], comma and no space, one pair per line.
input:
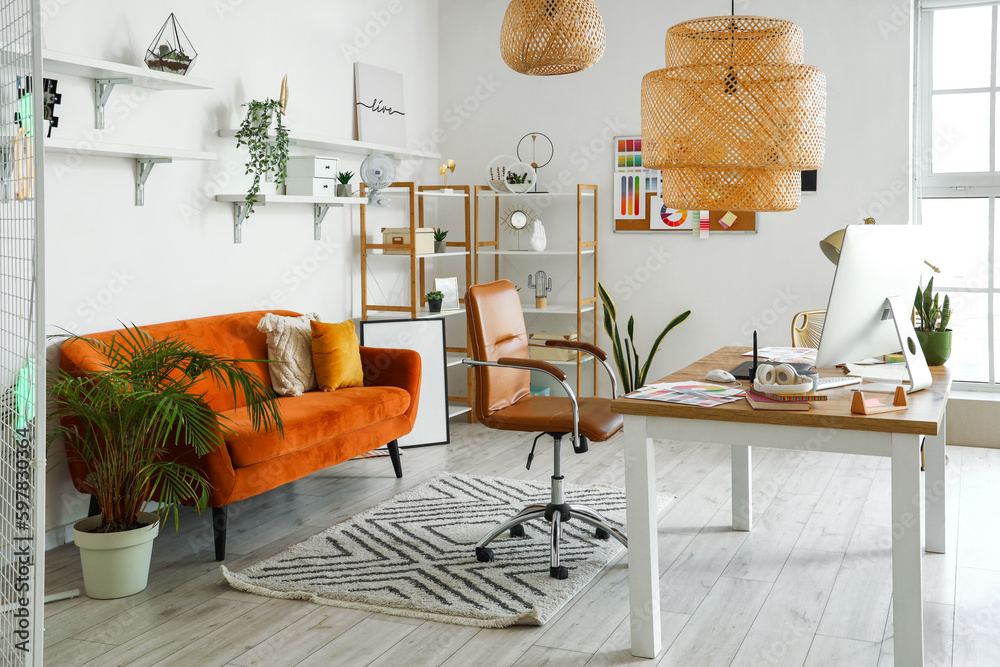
[414,556]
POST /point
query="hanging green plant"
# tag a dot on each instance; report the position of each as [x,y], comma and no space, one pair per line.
[268,154]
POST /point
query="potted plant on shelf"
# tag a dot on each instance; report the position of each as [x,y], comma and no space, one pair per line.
[434,300]
[518,182]
[344,183]
[268,154]
[632,375]
[933,332]
[439,236]
[120,421]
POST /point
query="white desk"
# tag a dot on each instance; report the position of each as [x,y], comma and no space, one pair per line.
[828,426]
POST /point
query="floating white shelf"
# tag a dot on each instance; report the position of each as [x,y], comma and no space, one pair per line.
[93,68]
[106,75]
[84,147]
[145,157]
[320,142]
[456,409]
[557,310]
[425,193]
[426,255]
[529,253]
[321,205]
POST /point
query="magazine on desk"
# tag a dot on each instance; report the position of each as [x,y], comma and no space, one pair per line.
[786,355]
[702,394]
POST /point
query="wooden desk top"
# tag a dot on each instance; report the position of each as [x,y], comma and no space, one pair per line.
[922,417]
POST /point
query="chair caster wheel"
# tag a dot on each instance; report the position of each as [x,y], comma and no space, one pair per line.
[517,531]
[484,555]
[602,534]
[560,572]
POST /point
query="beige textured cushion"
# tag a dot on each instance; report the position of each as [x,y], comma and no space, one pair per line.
[289,344]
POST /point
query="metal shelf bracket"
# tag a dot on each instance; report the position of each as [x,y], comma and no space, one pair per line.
[319,212]
[143,168]
[102,91]
[239,217]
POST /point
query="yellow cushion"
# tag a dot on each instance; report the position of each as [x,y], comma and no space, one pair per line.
[336,356]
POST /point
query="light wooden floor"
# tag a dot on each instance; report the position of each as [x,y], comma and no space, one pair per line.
[810,585]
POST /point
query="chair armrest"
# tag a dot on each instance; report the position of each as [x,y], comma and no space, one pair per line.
[384,367]
[536,364]
[577,345]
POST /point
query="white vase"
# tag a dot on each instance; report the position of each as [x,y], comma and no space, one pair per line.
[538,240]
[115,565]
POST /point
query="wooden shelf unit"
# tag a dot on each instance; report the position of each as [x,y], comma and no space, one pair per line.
[417,308]
[583,304]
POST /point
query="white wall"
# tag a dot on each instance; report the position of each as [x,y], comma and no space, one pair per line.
[109,261]
[732,283]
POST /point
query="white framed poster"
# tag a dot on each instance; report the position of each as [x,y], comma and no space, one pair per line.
[427,338]
[378,95]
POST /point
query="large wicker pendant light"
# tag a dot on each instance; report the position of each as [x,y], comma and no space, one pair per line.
[735,116]
[546,37]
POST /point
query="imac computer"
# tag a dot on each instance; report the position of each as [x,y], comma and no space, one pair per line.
[872,297]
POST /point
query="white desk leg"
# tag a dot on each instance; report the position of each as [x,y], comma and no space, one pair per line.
[907,584]
[934,490]
[643,559]
[742,493]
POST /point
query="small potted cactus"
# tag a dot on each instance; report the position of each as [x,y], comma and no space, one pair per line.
[434,300]
[439,236]
[932,329]
[542,285]
[344,183]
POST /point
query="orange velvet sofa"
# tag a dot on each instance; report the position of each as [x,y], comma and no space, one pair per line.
[321,429]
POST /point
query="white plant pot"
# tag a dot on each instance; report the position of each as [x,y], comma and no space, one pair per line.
[115,565]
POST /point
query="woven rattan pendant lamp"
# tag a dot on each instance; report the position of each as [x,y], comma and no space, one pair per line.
[546,37]
[735,116]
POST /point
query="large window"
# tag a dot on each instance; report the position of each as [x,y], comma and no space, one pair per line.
[959,186]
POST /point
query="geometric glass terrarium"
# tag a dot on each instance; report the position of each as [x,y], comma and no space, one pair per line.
[171,51]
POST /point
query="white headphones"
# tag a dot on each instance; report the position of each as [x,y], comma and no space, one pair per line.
[782,374]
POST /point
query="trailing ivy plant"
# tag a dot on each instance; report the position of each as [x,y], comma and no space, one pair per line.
[268,155]
[632,374]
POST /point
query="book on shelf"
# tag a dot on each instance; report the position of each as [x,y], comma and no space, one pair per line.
[762,402]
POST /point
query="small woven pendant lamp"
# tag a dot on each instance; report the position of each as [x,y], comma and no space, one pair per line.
[735,116]
[546,37]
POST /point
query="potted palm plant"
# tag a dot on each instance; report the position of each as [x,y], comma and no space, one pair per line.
[268,154]
[932,331]
[120,422]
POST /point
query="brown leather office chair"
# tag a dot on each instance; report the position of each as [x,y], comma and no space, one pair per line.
[503,401]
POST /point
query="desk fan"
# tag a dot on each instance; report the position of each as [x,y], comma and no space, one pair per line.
[378,173]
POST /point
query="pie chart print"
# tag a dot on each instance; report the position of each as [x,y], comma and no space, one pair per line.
[672,217]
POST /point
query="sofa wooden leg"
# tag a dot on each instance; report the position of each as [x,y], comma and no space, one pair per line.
[397,465]
[219,528]
[95,507]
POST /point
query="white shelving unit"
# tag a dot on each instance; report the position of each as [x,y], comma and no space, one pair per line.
[423,313]
[107,75]
[586,197]
[350,146]
[457,409]
[145,157]
[426,255]
[321,205]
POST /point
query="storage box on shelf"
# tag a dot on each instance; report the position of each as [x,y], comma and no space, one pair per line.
[582,305]
[311,176]
[398,246]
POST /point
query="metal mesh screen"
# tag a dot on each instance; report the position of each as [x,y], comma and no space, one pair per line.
[22,360]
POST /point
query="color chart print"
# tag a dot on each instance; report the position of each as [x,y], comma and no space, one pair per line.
[632,181]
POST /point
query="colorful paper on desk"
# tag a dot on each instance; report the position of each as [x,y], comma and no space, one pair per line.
[701,394]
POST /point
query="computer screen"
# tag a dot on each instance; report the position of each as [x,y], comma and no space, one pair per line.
[876,262]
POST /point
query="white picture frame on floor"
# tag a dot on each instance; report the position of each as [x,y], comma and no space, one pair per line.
[427,338]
